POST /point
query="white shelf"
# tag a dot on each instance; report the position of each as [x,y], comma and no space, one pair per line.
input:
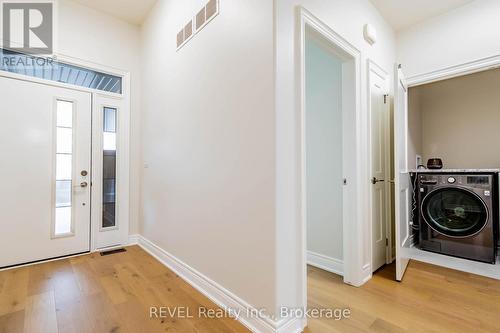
[464,265]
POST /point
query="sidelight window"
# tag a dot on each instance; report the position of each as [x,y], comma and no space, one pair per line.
[64,169]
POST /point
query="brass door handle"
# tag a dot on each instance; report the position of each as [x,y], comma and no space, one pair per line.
[83,185]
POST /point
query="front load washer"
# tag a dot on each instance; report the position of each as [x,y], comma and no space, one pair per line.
[458,214]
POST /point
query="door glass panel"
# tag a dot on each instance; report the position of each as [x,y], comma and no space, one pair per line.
[109,168]
[64,140]
[63,221]
[64,114]
[64,169]
[63,193]
[455,212]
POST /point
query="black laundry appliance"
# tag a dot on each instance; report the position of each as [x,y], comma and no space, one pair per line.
[458,214]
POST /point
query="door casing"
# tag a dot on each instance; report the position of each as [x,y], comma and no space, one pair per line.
[356,263]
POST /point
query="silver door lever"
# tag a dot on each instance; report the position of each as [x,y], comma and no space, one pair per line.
[375,180]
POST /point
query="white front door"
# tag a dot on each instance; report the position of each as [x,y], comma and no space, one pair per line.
[45,154]
[402,181]
[380,138]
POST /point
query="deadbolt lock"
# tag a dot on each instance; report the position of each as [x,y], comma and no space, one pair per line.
[84,173]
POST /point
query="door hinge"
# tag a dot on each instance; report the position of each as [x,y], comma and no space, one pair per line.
[387,242]
[385,98]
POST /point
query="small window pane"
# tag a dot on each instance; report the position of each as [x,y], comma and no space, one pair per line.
[63,221]
[64,140]
[63,167]
[63,193]
[64,114]
[109,120]
[108,141]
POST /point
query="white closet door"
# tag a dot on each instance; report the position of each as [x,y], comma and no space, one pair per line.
[45,145]
[402,181]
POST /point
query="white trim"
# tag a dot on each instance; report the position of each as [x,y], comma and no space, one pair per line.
[133,239]
[356,201]
[454,71]
[410,252]
[326,263]
[217,293]
[464,265]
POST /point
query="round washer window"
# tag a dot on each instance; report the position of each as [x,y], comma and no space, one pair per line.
[454,212]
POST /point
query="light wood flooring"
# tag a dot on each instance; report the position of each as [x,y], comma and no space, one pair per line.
[113,294]
[95,294]
[429,300]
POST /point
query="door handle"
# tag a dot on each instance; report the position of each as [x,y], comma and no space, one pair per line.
[375,180]
[83,185]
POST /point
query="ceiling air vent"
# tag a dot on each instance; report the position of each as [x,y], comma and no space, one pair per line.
[204,16]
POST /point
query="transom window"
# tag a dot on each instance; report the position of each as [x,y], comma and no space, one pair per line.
[50,69]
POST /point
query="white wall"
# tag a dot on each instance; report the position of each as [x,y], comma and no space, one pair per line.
[93,36]
[462,35]
[324,151]
[347,18]
[208,141]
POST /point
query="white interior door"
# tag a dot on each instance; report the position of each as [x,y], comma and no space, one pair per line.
[110,176]
[45,145]
[379,112]
[402,183]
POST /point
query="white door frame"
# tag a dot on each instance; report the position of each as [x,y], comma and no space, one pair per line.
[124,136]
[467,68]
[384,75]
[355,193]
[471,67]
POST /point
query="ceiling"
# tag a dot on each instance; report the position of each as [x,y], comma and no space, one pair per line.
[399,13]
[132,11]
[403,13]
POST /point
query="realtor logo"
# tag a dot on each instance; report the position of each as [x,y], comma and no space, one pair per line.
[28,27]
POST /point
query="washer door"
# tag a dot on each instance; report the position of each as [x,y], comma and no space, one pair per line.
[454,212]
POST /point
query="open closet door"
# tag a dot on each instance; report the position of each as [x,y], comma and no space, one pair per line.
[402,179]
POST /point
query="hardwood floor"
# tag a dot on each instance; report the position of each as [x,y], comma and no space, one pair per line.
[94,294]
[113,294]
[429,300]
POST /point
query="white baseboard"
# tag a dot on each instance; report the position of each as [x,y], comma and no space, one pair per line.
[133,239]
[218,294]
[326,263]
